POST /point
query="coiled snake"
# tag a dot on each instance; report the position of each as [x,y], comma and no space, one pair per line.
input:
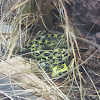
[51,52]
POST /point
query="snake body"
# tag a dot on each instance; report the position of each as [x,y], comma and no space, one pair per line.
[51,53]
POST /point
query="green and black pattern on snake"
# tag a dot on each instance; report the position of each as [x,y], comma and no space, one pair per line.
[51,53]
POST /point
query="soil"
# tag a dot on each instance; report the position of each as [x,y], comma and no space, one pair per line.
[87,13]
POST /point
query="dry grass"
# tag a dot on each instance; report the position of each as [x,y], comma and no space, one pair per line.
[25,73]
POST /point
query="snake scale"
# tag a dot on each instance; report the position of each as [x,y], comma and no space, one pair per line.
[51,52]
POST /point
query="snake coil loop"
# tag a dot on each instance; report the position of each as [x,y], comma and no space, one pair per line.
[51,59]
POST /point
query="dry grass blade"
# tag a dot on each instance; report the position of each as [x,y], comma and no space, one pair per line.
[20,4]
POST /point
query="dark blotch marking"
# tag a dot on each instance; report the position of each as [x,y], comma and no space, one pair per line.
[52,35]
[49,42]
[54,53]
[38,38]
[33,50]
[28,50]
[33,47]
[58,35]
[69,58]
[37,54]
[44,59]
[41,43]
[27,46]
[41,52]
[50,57]
[60,59]
[60,74]
[46,54]
[53,60]
[61,63]
[66,55]
[54,64]
[43,40]
[36,42]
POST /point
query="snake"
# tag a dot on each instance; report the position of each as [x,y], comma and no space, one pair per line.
[51,53]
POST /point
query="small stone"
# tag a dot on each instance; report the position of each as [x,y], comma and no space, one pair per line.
[98,35]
